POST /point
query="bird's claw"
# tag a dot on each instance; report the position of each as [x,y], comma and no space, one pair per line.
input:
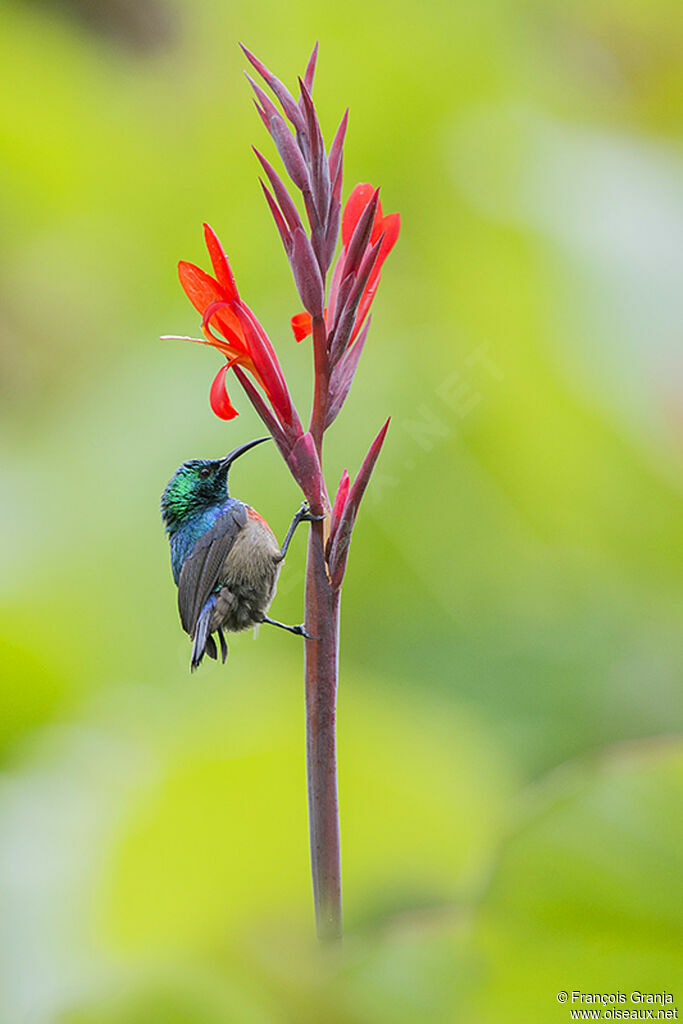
[301,631]
[306,516]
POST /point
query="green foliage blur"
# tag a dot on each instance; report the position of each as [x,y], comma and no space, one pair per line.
[510,775]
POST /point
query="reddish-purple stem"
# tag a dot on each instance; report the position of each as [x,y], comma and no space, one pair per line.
[321,670]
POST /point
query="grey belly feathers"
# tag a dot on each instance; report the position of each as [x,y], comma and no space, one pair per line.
[251,566]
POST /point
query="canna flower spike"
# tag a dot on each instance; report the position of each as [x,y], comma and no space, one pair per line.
[339,325]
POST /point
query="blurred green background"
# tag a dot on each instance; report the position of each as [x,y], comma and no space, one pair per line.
[511,651]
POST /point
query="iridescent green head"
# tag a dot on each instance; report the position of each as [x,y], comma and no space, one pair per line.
[197,485]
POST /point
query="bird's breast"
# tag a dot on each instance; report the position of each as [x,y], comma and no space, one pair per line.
[248,577]
[253,559]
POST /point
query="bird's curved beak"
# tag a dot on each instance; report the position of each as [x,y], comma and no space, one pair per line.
[235,454]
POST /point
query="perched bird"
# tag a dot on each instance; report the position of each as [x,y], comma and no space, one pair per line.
[224,556]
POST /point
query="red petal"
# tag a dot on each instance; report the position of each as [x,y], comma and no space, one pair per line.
[218,396]
[200,288]
[302,325]
[228,324]
[219,262]
[392,227]
[203,291]
[388,226]
[377,224]
[355,204]
[266,363]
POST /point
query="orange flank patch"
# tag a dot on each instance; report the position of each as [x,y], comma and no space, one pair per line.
[253,514]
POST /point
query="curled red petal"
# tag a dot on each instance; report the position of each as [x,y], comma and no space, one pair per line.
[227,322]
[219,262]
[218,396]
[302,325]
[203,291]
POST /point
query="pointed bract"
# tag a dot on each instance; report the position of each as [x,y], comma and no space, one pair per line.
[339,550]
[320,173]
[283,94]
[290,154]
[347,318]
[353,210]
[342,376]
[285,233]
[289,210]
[309,74]
[304,465]
[355,250]
[337,509]
[337,148]
[307,273]
[266,104]
[280,437]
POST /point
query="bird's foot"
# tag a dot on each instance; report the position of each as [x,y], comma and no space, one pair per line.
[304,515]
[297,630]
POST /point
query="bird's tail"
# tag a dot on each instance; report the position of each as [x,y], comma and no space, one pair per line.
[202,641]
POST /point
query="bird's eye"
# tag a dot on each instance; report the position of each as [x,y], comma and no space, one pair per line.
[204,472]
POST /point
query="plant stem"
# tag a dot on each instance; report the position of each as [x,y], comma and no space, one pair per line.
[322,661]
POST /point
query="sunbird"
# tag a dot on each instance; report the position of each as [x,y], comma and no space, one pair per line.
[224,556]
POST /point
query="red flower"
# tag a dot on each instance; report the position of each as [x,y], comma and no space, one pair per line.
[385,228]
[240,338]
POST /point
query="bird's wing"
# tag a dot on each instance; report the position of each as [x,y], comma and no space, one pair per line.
[202,567]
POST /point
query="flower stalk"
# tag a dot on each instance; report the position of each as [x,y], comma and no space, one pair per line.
[321,675]
[339,326]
